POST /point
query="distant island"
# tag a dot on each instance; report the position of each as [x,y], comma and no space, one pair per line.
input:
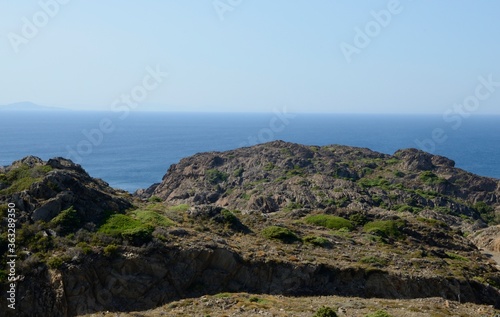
[28,106]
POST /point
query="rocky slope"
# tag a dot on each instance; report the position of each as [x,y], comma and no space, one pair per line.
[41,190]
[284,176]
[277,218]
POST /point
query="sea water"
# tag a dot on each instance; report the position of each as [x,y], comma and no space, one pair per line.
[135,151]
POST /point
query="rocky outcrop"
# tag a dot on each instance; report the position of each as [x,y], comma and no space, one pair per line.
[279,175]
[487,239]
[56,185]
[140,281]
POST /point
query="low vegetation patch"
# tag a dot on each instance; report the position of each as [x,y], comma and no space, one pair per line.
[385,228]
[430,178]
[279,233]
[329,221]
[317,241]
[375,260]
[22,177]
[126,227]
[179,208]
[67,221]
[325,311]
[214,176]
[379,313]
[152,218]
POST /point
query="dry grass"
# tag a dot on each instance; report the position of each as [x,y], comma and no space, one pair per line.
[243,304]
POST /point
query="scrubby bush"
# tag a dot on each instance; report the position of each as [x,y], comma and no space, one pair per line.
[128,228]
[317,241]
[152,218]
[154,199]
[325,311]
[329,221]
[179,208]
[67,221]
[22,177]
[358,219]
[229,217]
[385,228]
[485,211]
[379,313]
[279,233]
[111,250]
[430,178]
[215,176]
[56,262]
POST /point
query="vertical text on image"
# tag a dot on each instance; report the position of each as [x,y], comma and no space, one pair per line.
[11,255]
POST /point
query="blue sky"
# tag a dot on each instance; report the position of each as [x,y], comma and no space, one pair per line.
[256,56]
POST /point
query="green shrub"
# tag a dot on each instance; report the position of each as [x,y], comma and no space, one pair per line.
[292,206]
[392,161]
[111,250]
[154,199]
[325,312]
[485,211]
[317,241]
[229,217]
[279,233]
[85,247]
[138,235]
[358,219]
[4,210]
[3,276]
[214,176]
[430,178]
[455,256]
[373,260]
[269,166]
[238,172]
[385,228]
[379,313]
[149,217]
[56,262]
[124,226]
[374,182]
[68,221]
[22,177]
[329,221]
[179,208]
[398,174]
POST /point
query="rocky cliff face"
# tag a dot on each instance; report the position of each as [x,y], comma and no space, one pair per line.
[144,280]
[276,218]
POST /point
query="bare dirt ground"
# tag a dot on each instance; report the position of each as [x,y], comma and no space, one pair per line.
[243,304]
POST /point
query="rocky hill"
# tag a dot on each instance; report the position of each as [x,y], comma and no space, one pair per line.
[285,176]
[279,218]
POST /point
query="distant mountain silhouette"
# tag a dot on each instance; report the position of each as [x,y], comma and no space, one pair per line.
[28,106]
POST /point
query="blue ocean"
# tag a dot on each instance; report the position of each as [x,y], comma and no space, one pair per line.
[134,150]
